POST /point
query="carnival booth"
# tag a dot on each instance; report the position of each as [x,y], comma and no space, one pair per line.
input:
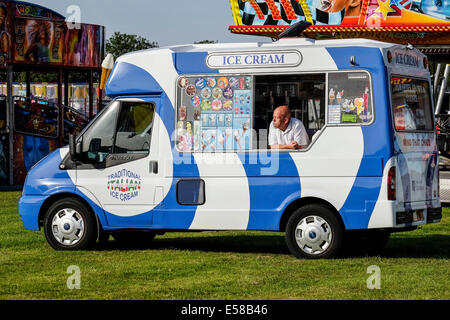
[47,90]
[421,23]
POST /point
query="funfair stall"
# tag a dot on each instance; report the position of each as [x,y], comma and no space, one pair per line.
[37,115]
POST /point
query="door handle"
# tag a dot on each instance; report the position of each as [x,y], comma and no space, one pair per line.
[154,167]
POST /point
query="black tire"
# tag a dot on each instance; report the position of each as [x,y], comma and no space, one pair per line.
[318,222]
[134,239]
[103,237]
[69,225]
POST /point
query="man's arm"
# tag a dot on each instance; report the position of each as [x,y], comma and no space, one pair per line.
[273,141]
[301,136]
[292,146]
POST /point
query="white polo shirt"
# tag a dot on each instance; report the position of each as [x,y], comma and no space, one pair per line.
[294,132]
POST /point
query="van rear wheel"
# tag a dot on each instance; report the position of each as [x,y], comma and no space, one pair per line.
[69,225]
[314,232]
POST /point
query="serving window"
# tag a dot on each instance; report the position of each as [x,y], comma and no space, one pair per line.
[303,94]
[217,113]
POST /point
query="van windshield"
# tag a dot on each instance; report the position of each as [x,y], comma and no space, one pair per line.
[411,104]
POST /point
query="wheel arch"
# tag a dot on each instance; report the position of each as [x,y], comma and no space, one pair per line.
[298,203]
[58,196]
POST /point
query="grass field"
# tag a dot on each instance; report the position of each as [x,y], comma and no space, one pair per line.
[218,265]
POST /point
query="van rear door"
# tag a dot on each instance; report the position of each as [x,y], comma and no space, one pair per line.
[414,143]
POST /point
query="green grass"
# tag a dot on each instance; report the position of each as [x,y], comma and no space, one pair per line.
[218,265]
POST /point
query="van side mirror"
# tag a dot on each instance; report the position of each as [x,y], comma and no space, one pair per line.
[73,147]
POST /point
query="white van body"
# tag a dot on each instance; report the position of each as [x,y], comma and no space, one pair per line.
[201,161]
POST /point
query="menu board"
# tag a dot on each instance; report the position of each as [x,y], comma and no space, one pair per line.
[214,113]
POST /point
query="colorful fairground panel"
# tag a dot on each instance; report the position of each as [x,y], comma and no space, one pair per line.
[423,22]
[36,116]
[31,34]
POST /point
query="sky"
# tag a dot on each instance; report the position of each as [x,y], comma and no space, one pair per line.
[168,22]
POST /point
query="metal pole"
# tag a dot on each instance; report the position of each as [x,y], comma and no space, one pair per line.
[66,88]
[60,107]
[28,73]
[91,94]
[100,96]
[436,79]
[442,91]
[10,123]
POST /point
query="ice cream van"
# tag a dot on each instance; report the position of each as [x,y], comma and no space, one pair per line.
[183,146]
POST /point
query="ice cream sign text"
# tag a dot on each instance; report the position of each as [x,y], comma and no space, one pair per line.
[406,59]
[124,185]
[254,59]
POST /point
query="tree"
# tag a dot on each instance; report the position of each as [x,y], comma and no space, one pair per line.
[121,43]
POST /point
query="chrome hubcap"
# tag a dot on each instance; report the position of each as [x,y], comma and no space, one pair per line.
[313,235]
[68,226]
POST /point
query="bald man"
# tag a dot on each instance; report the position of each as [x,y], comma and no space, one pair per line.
[286,132]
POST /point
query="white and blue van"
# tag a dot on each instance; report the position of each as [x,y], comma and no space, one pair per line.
[183,147]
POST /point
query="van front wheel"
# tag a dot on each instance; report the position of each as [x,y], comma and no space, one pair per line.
[314,232]
[68,225]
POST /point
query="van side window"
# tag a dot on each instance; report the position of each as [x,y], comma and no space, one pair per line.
[134,128]
[349,98]
[122,128]
[411,104]
[303,94]
[99,138]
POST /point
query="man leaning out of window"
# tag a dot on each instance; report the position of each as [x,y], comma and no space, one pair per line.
[286,132]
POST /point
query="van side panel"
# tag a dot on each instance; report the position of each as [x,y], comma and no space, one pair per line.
[264,210]
[360,203]
[169,214]
[46,178]
[273,182]
[121,83]
[191,63]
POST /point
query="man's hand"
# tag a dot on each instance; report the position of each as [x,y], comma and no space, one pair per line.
[294,145]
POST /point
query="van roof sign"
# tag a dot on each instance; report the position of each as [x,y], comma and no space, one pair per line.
[407,57]
[264,59]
